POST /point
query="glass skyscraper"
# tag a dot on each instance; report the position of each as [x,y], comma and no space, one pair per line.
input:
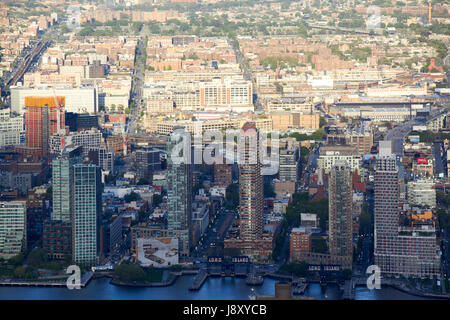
[62,173]
[87,208]
[179,198]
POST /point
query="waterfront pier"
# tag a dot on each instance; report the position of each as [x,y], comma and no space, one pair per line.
[198,280]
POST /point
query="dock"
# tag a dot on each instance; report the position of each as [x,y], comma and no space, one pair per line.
[349,292]
[60,283]
[198,280]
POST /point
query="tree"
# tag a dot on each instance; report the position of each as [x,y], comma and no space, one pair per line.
[268,190]
[279,87]
[49,193]
[365,222]
[31,273]
[318,134]
[322,122]
[132,196]
[343,119]
[301,204]
[143,215]
[444,219]
[143,182]
[37,258]
[299,269]
[304,151]
[193,56]
[19,272]
[232,196]
[17,260]
[130,272]
[157,199]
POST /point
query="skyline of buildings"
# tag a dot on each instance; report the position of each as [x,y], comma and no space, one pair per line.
[353,117]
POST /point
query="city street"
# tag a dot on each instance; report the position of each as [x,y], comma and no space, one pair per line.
[216,233]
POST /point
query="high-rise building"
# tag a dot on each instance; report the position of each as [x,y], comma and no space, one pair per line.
[223,174]
[81,121]
[91,138]
[41,122]
[386,200]
[251,185]
[110,234]
[81,99]
[22,182]
[87,206]
[422,193]
[36,214]
[363,140]
[251,239]
[147,162]
[11,129]
[300,240]
[289,164]
[62,173]
[12,228]
[57,239]
[329,154]
[340,196]
[102,157]
[399,250]
[235,94]
[179,198]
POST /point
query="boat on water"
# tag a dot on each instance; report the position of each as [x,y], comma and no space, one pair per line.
[299,286]
[254,280]
[252,295]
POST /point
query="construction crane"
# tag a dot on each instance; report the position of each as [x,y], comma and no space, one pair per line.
[125,141]
[60,131]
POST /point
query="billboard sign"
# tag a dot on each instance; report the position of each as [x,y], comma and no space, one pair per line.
[215,259]
[422,161]
[240,259]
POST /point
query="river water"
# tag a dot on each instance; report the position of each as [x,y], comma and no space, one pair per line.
[226,288]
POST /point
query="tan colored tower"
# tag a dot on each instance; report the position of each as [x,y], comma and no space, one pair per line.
[251,184]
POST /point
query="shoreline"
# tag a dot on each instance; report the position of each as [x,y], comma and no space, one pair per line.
[42,283]
[418,293]
[118,282]
[173,277]
[413,292]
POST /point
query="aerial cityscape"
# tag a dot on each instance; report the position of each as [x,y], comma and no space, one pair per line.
[224,150]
